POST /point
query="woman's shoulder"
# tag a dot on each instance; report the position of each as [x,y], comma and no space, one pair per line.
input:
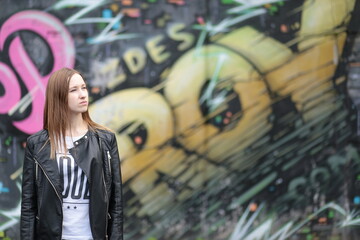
[105,134]
[37,140]
[39,137]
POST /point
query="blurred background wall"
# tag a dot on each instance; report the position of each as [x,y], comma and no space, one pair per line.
[235,119]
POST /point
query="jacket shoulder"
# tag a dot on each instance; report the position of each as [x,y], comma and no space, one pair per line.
[39,137]
[105,134]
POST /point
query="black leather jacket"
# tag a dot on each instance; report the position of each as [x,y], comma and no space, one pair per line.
[41,207]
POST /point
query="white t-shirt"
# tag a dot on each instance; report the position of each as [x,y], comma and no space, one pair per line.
[76,222]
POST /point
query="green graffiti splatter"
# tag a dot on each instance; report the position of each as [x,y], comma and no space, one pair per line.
[8,141]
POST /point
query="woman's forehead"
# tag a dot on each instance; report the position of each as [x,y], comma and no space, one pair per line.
[76,80]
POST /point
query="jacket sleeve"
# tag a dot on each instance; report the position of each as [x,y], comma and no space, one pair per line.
[28,195]
[116,198]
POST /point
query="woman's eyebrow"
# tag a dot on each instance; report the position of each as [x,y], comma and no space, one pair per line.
[75,86]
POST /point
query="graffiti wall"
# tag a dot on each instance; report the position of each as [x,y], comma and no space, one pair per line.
[235,119]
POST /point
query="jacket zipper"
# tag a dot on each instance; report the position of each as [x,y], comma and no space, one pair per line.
[36,170]
[109,161]
[36,182]
[54,190]
[49,180]
[107,207]
[106,193]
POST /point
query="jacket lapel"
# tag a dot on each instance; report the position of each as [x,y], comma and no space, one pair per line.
[87,155]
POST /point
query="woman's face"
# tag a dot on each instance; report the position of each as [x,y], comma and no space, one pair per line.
[78,95]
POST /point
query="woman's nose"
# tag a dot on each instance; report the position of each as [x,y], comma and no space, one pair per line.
[82,93]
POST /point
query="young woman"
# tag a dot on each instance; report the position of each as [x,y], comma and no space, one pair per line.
[71,186]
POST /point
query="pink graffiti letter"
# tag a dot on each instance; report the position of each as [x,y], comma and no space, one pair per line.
[61,46]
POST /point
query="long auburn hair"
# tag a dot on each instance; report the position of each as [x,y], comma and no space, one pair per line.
[56,110]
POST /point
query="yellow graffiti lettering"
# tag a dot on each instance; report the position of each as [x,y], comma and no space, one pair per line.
[135,59]
[186,38]
[156,51]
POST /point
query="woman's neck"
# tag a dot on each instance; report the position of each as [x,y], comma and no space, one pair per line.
[77,126]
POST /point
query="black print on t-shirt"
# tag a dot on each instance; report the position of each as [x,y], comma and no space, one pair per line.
[65,167]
